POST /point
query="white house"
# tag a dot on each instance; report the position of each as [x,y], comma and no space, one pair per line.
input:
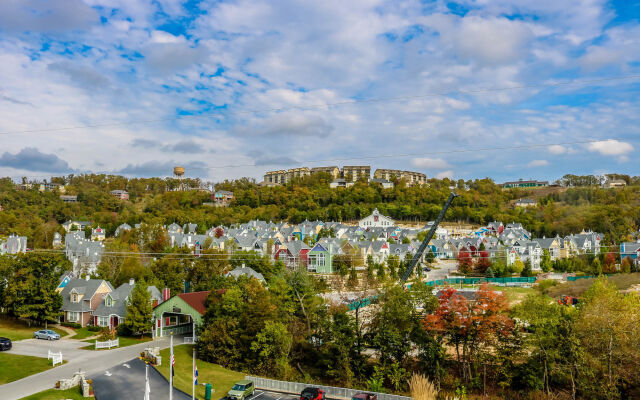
[375,220]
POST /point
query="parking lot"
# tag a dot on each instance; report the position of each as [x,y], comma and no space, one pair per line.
[127,380]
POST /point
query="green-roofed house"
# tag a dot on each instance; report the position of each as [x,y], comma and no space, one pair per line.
[180,314]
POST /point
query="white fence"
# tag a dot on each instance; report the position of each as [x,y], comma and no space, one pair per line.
[190,340]
[108,344]
[55,357]
[296,387]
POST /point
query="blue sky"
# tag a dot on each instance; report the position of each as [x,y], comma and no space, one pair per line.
[227,65]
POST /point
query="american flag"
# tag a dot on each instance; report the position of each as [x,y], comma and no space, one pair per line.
[195,381]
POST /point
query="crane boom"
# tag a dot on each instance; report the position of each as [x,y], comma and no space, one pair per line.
[427,239]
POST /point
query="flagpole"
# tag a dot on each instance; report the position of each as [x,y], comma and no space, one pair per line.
[171,369]
[193,372]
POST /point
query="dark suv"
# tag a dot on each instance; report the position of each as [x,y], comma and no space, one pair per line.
[312,393]
[5,343]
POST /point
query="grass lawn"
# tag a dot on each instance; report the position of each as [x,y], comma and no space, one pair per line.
[578,287]
[54,394]
[18,330]
[221,378]
[83,333]
[514,294]
[14,367]
[124,342]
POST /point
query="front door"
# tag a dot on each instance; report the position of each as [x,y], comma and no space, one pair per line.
[114,322]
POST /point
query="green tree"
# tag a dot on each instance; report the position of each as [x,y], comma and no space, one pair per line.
[169,273]
[393,262]
[30,288]
[546,263]
[272,345]
[139,310]
[608,330]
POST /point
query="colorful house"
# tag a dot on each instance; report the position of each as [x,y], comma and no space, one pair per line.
[180,315]
[320,258]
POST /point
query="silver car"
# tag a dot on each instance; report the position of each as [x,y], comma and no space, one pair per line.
[46,334]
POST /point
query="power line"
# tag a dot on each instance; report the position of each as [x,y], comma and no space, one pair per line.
[431,153]
[402,155]
[327,105]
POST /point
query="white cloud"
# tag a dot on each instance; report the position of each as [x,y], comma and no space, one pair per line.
[430,163]
[610,147]
[557,149]
[538,163]
[492,40]
[445,174]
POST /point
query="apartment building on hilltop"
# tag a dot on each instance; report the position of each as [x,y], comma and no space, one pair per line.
[412,178]
[282,176]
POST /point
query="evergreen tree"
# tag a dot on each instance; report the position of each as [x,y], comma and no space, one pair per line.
[139,310]
[546,263]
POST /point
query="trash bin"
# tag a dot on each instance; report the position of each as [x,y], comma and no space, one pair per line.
[207,391]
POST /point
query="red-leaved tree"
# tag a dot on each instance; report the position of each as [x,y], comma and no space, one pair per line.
[219,232]
[470,326]
[483,262]
[609,263]
[465,262]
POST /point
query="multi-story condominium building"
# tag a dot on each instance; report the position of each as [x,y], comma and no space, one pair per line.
[350,173]
[276,177]
[354,172]
[333,170]
[298,172]
[412,178]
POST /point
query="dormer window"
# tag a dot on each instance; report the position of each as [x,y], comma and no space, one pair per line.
[74,297]
[108,302]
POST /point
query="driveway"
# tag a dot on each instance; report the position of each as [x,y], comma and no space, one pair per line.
[39,348]
[88,361]
[126,381]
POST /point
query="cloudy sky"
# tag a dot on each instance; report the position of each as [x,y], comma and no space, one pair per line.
[235,88]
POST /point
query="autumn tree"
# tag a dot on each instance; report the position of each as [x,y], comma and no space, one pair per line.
[483,262]
[609,263]
[465,262]
[470,327]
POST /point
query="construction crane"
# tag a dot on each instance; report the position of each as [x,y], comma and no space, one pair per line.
[427,239]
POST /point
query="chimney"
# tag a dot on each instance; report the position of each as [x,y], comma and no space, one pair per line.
[132,281]
[165,294]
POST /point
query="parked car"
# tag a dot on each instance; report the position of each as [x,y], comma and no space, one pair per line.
[241,390]
[364,396]
[312,393]
[5,344]
[46,334]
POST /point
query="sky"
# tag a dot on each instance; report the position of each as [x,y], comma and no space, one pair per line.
[230,89]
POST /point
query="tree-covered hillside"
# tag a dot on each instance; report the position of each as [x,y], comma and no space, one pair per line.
[562,210]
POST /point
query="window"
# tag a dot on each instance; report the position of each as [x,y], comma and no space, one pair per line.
[109,302]
[74,297]
[103,321]
[73,316]
[321,260]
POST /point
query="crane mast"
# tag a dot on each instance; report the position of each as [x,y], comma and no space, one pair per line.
[427,239]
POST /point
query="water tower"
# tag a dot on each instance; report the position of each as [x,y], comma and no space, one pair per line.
[178,172]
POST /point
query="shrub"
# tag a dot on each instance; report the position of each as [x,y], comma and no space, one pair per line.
[73,325]
[93,328]
[545,284]
[123,330]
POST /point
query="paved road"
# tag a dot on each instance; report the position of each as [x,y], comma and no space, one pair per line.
[126,381]
[89,361]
